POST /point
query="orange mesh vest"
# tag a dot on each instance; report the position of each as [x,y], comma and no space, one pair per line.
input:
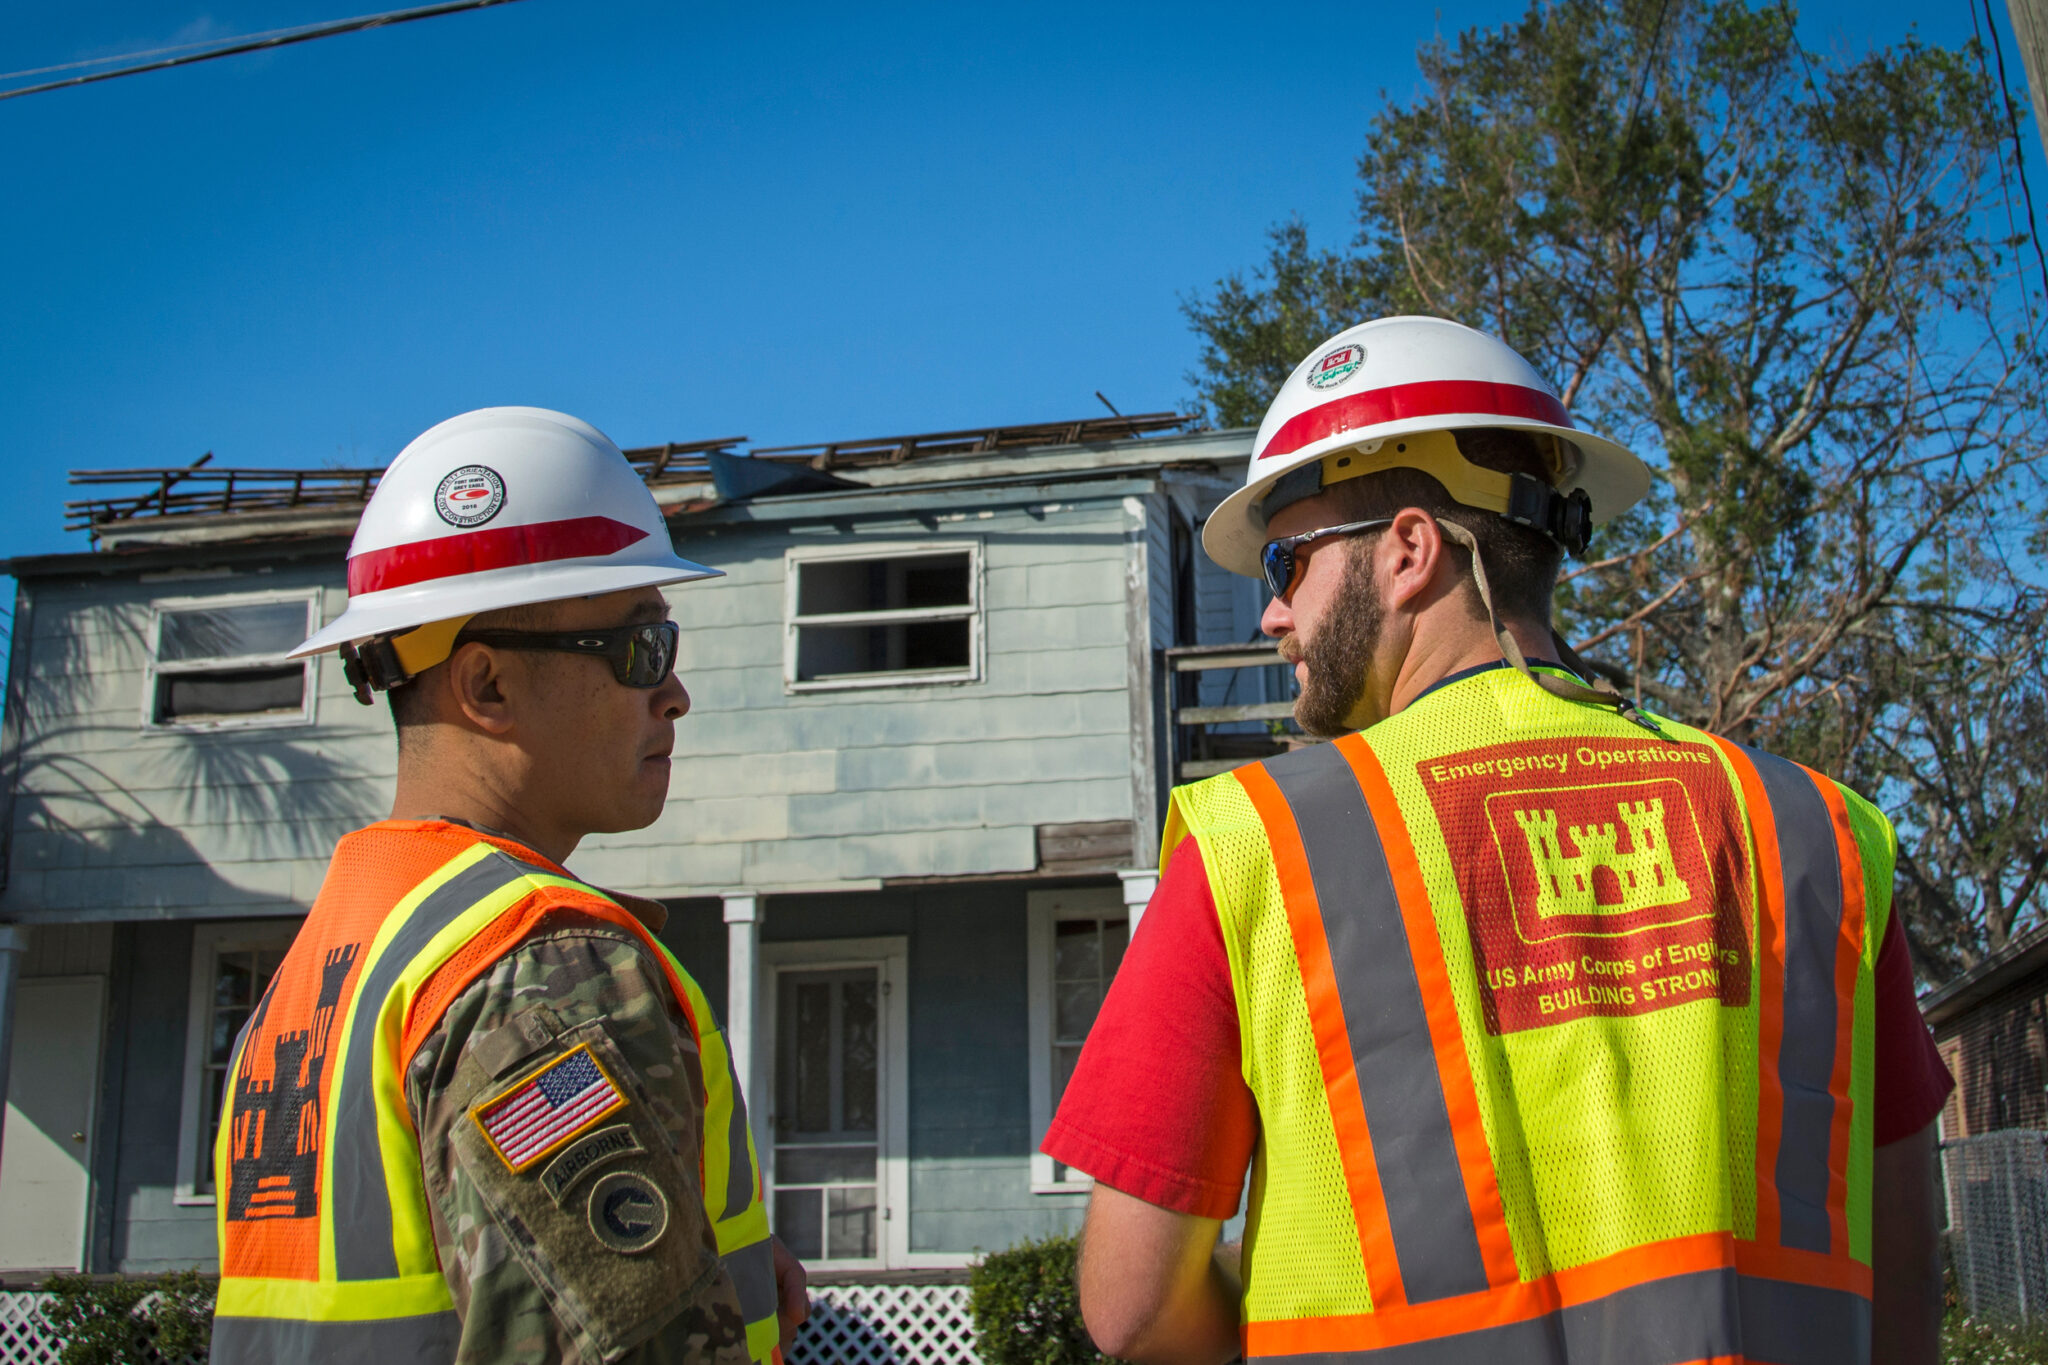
[326,1241]
[1560,1034]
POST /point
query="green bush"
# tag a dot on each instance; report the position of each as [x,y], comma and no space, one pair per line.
[1027,1308]
[130,1319]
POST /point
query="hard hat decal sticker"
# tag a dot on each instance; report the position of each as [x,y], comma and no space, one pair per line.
[470,496]
[1599,876]
[1336,367]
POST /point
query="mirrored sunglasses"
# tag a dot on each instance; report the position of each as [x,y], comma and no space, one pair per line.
[1280,562]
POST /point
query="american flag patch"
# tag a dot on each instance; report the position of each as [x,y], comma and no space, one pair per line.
[562,1100]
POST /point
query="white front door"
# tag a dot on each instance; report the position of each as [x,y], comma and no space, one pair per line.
[46,1147]
[835,1159]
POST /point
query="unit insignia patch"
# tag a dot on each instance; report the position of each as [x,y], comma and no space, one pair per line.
[628,1212]
[549,1108]
[585,1155]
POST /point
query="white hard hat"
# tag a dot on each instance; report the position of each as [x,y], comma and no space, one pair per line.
[1393,377]
[501,507]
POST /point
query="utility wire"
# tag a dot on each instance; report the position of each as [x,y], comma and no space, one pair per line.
[2019,154]
[1628,127]
[256,42]
[1891,284]
[150,52]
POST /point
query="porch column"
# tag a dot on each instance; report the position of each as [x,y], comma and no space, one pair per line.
[743,916]
[13,943]
[1139,884]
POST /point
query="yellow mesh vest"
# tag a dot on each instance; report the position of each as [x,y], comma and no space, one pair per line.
[1523,990]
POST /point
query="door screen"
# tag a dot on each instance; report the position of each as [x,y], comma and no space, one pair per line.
[827,1107]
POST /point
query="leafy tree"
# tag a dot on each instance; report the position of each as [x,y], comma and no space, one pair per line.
[1791,284]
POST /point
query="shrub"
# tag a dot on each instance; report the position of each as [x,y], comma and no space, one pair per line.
[130,1318]
[1027,1309]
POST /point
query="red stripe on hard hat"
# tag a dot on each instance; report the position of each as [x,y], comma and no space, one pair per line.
[500,547]
[1429,398]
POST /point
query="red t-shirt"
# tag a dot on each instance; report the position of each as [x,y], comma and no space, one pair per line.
[1158,1107]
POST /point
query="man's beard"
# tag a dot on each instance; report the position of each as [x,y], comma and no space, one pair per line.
[1339,655]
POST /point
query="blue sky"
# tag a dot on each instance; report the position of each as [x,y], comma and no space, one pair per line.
[678,221]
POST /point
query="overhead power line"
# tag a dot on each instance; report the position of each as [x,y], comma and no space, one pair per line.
[230,47]
[2019,152]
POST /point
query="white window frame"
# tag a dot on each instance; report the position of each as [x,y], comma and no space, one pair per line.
[209,941]
[152,670]
[1044,910]
[972,613]
[890,956]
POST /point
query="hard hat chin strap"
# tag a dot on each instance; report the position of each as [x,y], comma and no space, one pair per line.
[1601,693]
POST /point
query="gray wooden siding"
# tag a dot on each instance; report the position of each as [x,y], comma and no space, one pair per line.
[771,790]
[774,790]
[68,950]
[113,821]
[149,1230]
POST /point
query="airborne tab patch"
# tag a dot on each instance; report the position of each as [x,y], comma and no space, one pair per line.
[586,1154]
[555,1105]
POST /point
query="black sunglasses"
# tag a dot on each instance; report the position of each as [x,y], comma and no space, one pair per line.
[1280,562]
[640,656]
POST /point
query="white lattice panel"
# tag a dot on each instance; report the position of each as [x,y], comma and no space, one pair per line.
[851,1324]
[887,1324]
[23,1338]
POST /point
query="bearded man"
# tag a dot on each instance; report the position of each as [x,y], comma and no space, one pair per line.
[1549,1030]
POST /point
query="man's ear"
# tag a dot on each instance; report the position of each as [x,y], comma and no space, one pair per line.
[478,681]
[1412,559]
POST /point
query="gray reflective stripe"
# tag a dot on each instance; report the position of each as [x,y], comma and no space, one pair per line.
[753,1274]
[428,1340]
[1806,1054]
[739,1178]
[1707,1314]
[363,1248]
[1428,1213]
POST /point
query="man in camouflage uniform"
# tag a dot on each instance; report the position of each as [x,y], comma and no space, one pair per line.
[578,970]
[480,1113]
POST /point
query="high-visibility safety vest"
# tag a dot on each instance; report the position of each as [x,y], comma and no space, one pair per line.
[326,1239]
[1560,1034]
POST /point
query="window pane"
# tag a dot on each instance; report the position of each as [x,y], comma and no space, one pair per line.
[825,652]
[857,1047]
[829,586]
[1076,951]
[1063,1062]
[851,1224]
[211,1083]
[227,1026]
[230,632]
[231,980]
[823,1165]
[230,692]
[1116,935]
[800,1222]
[814,1057]
[1074,1007]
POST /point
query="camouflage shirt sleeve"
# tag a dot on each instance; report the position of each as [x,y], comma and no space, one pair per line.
[537,1277]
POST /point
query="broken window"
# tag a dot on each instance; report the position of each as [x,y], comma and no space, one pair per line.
[222,663]
[859,620]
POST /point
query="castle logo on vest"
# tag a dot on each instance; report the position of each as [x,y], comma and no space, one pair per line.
[1599,877]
